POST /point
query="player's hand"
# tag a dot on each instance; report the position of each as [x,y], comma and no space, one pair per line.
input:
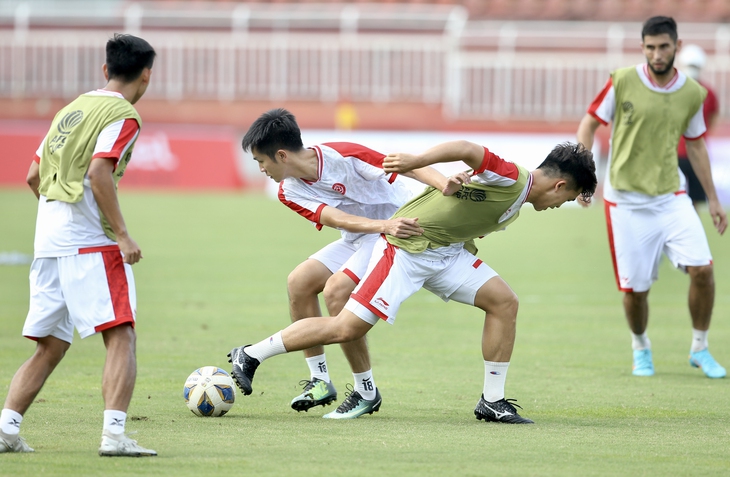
[402,227]
[719,218]
[130,250]
[454,183]
[584,201]
[400,162]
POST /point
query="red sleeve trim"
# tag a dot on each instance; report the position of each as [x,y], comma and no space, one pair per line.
[304,212]
[126,134]
[36,159]
[600,120]
[499,166]
[599,99]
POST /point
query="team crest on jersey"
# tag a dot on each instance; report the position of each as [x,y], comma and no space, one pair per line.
[337,187]
[628,110]
[474,195]
[69,121]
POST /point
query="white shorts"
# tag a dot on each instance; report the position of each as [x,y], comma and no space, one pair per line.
[638,236]
[91,291]
[351,258]
[393,275]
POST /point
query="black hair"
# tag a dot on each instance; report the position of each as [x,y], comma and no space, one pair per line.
[275,129]
[574,163]
[659,25]
[127,56]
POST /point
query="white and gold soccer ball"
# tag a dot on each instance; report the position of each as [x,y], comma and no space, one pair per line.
[209,392]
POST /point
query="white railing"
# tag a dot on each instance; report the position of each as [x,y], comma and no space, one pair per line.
[478,70]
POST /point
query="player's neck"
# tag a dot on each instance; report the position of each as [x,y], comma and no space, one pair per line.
[128,90]
[308,165]
[663,79]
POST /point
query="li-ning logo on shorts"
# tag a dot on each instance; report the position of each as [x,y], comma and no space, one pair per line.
[383,304]
[337,187]
[69,121]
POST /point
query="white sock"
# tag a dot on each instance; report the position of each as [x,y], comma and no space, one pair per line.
[10,422]
[365,385]
[115,421]
[495,375]
[699,340]
[318,368]
[271,346]
[639,342]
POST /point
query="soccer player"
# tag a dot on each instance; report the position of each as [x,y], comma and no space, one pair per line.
[647,210]
[693,58]
[442,260]
[81,275]
[339,185]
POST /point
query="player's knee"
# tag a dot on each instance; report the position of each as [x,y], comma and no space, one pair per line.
[345,330]
[120,337]
[702,276]
[348,333]
[299,285]
[336,293]
[510,304]
[51,350]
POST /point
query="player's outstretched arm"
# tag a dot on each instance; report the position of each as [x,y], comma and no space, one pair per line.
[400,227]
[102,185]
[432,177]
[453,151]
[700,160]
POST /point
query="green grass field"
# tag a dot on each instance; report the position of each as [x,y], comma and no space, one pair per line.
[214,277]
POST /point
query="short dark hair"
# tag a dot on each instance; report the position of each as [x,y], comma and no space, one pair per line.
[572,162]
[659,25]
[127,56]
[275,129]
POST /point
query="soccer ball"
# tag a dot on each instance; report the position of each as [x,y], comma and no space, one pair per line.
[209,391]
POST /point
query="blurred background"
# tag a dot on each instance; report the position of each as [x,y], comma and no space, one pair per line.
[395,75]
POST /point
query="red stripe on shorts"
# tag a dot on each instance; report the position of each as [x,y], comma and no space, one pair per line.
[103,248]
[116,278]
[611,245]
[369,288]
[352,275]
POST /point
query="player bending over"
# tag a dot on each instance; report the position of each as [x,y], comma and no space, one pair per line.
[442,260]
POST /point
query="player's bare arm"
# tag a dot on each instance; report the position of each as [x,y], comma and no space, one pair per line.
[34,178]
[453,151]
[400,227]
[102,185]
[587,131]
[586,136]
[432,177]
[700,160]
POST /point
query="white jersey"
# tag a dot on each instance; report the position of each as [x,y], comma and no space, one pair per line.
[350,178]
[603,109]
[63,228]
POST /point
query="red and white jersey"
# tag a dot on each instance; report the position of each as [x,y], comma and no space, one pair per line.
[63,228]
[350,178]
[603,109]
